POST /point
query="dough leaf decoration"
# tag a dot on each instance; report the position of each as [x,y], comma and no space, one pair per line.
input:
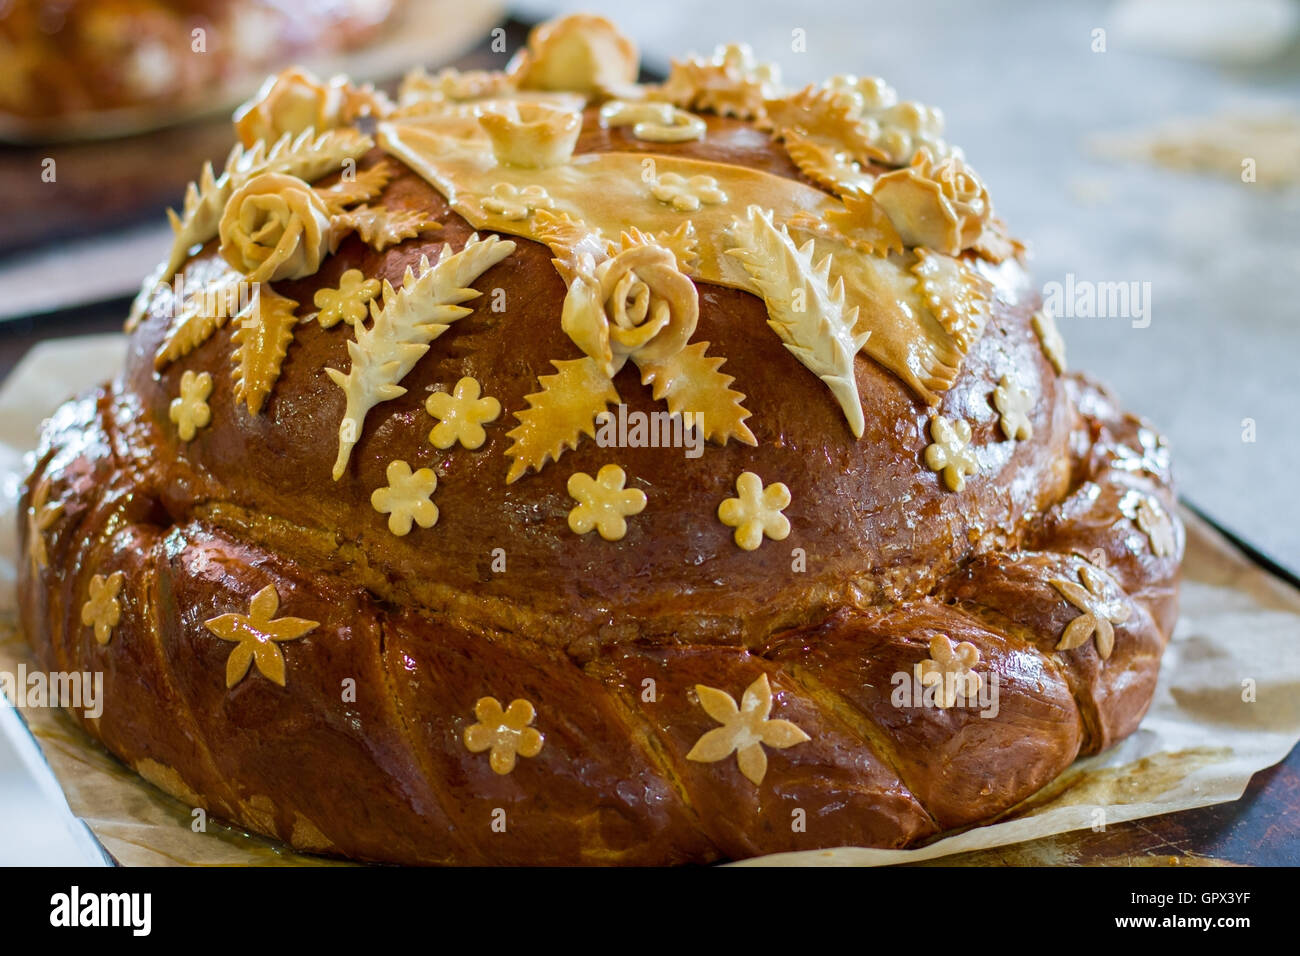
[804,308]
[559,415]
[264,331]
[200,316]
[380,227]
[364,187]
[403,327]
[306,156]
[691,382]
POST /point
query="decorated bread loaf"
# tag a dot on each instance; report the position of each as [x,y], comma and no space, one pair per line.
[543,467]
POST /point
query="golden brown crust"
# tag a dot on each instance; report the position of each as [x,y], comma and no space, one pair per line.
[1053,566]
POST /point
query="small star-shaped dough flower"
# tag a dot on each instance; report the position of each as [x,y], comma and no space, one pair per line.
[1049,337]
[256,635]
[603,503]
[949,666]
[686,195]
[510,202]
[1100,610]
[951,453]
[1154,522]
[757,512]
[745,729]
[406,499]
[102,610]
[190,411]
[348,302]
[461,415]
[506,733]
[41,514]
[1014,405]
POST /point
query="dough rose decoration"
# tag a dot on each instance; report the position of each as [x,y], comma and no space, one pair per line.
[949,669]
[275,227]
[942,206]
[578,53]
[1100,608]
[745,729]
[295,100]
[102,610]
[256,636]
[633,303]
[756,513]
[507,734]
[603,502]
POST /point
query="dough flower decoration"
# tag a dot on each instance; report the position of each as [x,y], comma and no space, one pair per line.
[189,411]
[1049,337]
[745,729]
[256,636]
[41,515]
[897,130]
[1153,521]
[405,499]
[506,734]
[1099,606]
[578,53]
[950,452]
[517,203]
[942,206]
[275,226]
[730,83]
[295,100]
[654,122]
[757,512]
[1014,404]
[629,303]
[461,415]
[102,610]
[530,135]
[686,195]
[348,302]
[603,502]
[949,669]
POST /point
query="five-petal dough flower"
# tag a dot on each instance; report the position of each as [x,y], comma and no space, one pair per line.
[603,503]
[757,512]
[950,667]
[745,729]
[348,302]
[102,610]
[256,635]
[461,415]
[686,195]
[406,498]
[506,733]
[950,453]
[1013,403]
[513,203]
[1099,608]
[190,411]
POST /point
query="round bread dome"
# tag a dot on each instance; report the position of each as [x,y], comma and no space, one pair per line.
[547,468]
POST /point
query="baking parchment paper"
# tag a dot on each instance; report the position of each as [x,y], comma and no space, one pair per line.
[1227,704]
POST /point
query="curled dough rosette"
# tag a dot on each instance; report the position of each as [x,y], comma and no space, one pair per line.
[291,102]
[275,227]
[637,304]
[940,206]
